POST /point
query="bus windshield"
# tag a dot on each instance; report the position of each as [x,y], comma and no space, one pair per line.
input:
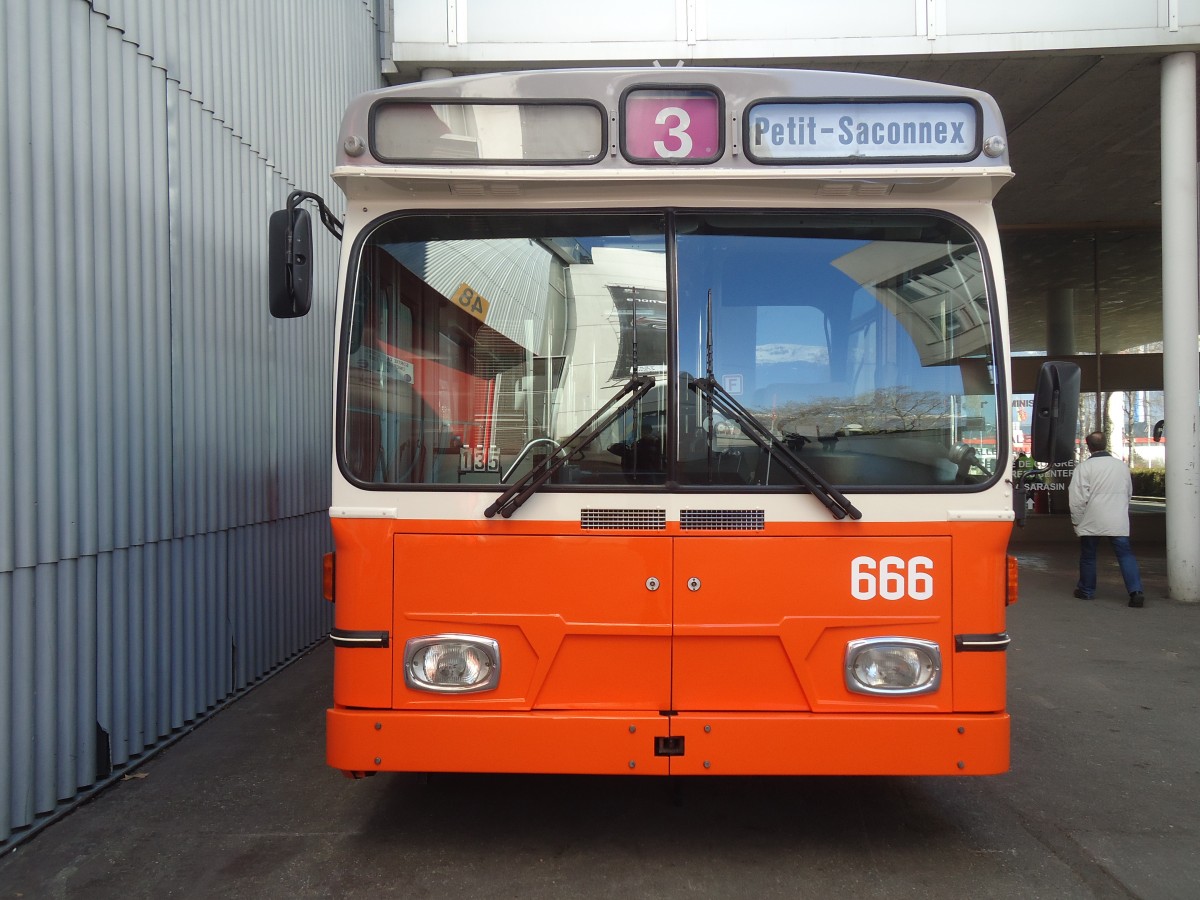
[862,342]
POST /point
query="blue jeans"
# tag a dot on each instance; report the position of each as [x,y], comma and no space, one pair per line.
[1125,559]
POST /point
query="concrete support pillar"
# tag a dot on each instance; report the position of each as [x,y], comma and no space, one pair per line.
[1181,324]
[1060,323]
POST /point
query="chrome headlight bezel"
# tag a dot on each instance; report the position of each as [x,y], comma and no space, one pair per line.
[929,669]
[416,649]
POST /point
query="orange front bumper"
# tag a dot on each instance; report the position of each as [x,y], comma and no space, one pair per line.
[367,741]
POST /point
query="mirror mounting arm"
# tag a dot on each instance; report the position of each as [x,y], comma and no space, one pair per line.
[328,219]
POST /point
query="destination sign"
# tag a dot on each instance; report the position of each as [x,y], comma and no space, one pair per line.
[489,131]
[848,131]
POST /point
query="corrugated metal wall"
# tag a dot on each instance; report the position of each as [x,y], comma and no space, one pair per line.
[164,444]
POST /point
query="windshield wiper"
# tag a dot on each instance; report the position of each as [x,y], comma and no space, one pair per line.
[520,491]
[723,402]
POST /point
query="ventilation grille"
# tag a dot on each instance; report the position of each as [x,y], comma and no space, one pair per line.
[721,519]
[624,519]
[854,189]
[475,189]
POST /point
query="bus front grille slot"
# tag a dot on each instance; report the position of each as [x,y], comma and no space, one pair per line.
[722,519]
[623,519]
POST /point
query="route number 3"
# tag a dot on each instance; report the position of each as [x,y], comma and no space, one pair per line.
[672,125]
[679,131]
[891,578]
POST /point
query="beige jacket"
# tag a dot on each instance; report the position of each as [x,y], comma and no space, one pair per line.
[1100,491]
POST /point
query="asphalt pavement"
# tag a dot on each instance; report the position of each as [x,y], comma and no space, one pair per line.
[1103,799]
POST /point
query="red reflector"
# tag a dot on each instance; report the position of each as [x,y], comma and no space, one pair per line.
[1011,596]
[328,565]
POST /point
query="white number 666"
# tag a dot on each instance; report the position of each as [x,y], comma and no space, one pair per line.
[891,578]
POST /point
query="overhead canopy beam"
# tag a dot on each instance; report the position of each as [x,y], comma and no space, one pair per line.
[1120,371]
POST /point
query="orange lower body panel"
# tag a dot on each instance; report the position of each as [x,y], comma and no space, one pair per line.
[366,741]
[743,638]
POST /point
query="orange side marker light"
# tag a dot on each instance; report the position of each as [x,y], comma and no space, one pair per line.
[327,561]
[1011,596]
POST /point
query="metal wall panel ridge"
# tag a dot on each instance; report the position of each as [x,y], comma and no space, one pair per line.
[164,472]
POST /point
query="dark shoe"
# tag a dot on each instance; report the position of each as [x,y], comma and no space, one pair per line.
[1137,599]
[1081,595]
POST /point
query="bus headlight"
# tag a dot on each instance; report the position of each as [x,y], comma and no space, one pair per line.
[893,666]
[452,663]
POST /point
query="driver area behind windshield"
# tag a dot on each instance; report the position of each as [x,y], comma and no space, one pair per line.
[477,344]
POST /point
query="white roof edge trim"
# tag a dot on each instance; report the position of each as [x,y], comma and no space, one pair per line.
[363,512]
[980,515]
[544,174]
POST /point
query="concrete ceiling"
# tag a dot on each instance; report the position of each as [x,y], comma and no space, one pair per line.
[1082,212]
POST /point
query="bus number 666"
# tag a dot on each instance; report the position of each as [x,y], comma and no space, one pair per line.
[891,578]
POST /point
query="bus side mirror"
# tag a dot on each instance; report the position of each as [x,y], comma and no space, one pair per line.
[1055,410]
[289,260]
[1159,427]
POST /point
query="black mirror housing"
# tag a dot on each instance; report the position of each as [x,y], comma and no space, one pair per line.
[289,261]
[1055,413]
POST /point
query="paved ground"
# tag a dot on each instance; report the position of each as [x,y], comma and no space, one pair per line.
[1103,799]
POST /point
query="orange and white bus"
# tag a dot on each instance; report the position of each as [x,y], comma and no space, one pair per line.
[656,394]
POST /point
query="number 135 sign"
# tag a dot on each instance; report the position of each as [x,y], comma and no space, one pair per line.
[672,125]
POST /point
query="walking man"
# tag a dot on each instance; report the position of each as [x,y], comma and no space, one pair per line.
[1100,492]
